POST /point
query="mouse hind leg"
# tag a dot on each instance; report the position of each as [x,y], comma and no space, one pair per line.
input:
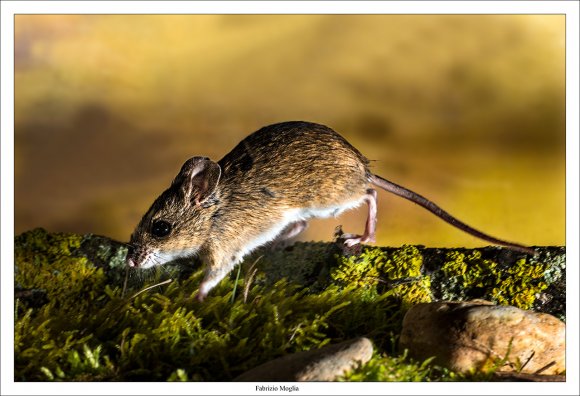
[370,227]
[291,230]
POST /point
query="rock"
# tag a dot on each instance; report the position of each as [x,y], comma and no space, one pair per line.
[324,364]
[477,334]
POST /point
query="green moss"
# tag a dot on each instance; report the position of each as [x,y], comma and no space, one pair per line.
[303,263]
[88,329]
[517,285]
[46,261]
[360,271]
[55,244]
[399,271]
[387,368]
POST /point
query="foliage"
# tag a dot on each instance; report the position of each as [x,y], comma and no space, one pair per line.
[398,271]
[387,368]
[517,285]
[90,329]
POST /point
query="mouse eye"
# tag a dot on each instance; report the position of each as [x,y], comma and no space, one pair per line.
[160,228]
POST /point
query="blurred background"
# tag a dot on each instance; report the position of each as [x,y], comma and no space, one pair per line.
[468,110]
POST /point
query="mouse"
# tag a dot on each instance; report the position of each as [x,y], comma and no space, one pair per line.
[266,188]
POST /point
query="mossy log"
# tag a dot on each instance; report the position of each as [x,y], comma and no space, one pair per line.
[493,273]
[82,315]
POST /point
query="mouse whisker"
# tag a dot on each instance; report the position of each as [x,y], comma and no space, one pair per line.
[128,244]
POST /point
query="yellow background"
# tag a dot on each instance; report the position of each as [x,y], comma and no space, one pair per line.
[466,110]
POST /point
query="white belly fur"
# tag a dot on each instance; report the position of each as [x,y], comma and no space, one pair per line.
[292,216]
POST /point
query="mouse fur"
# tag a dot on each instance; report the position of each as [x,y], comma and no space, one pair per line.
[266,188]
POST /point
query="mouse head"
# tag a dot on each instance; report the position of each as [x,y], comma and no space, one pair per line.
[178,222]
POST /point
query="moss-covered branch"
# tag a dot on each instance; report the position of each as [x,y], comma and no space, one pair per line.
[77,318]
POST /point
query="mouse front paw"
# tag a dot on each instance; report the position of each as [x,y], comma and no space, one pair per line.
[200,296]
[204,289]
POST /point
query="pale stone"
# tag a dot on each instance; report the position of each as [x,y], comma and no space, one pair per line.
[466,335]
[324,364]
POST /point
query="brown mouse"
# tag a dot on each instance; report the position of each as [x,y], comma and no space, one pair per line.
[266,188]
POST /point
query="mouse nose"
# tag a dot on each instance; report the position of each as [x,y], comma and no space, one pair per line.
[130,260]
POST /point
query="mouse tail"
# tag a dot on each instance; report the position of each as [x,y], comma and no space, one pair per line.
[436,210]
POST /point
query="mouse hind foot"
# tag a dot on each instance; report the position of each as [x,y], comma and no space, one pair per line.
[351,240]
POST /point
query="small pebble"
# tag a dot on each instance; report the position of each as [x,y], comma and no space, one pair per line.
[324,364]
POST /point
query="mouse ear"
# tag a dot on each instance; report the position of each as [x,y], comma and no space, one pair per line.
[198,179]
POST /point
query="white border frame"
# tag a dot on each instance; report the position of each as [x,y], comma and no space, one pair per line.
[10,8]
